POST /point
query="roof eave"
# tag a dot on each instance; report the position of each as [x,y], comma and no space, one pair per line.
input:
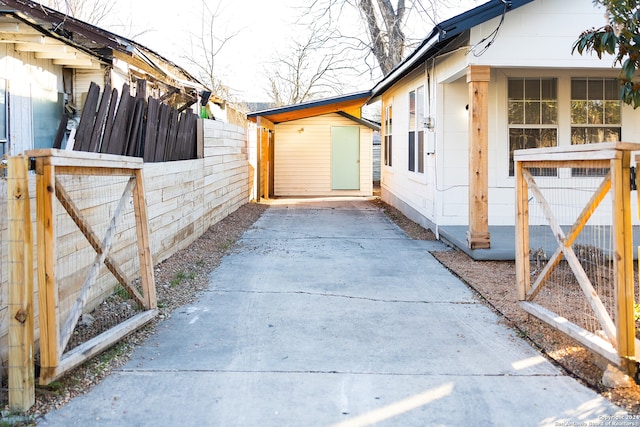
[440,35]
[310,104]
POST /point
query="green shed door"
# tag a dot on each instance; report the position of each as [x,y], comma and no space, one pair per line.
[345,157]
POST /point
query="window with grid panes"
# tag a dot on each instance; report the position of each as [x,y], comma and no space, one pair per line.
[595,116]
[533,117]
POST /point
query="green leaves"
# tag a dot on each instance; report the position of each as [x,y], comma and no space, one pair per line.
[620,38]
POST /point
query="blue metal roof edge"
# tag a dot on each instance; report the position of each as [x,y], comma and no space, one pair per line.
[360,121]
[444,32]
[310,104]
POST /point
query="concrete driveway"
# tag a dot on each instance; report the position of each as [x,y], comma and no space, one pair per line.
[326,314]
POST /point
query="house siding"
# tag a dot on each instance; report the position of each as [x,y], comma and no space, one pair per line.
[303,157]
[441,197]
[28,79]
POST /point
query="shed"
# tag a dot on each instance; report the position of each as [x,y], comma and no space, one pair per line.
[316,148]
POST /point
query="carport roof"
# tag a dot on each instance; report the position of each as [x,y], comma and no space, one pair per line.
[342,103]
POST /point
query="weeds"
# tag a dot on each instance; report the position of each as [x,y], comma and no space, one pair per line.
[181,276]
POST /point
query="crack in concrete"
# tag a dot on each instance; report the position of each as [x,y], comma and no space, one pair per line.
[332,372]
[331,295]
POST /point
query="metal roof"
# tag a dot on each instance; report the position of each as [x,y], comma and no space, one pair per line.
[313,108]
[444,34]
[103,45]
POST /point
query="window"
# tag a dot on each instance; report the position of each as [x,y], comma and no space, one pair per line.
[416,130]
[388,139]
[595,116]
[533,117]
[4,118]
[412,131]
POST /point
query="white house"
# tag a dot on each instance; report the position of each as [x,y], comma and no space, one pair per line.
[513,61]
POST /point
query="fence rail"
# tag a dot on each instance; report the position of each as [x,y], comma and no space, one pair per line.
[585,200]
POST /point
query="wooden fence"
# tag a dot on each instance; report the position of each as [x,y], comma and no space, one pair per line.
[56,325]
[592,258]
[183,198]
[132,126]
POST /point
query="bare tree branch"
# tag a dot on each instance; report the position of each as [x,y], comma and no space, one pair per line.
[90,11]
[383,27]
[205,45]
[310,68]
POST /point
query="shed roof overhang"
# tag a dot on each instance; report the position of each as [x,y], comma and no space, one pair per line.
[344,103]
[442,38]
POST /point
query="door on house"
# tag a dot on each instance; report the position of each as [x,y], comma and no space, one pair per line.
[345,157]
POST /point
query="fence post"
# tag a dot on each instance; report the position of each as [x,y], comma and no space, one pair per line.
[523,278]
[20,292]
[47,292]
[623,261]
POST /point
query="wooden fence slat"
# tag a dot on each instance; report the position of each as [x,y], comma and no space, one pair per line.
[151,132]
[623,262]
[108,126]
[85,127]
[172,137]
[62,128]
[586,338]
[21,284]
[163,133]
[181,140]
[117,145]
[523,278]
[98,127]
[190,142]
[134,137]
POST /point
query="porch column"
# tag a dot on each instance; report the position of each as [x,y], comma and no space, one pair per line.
[478,77]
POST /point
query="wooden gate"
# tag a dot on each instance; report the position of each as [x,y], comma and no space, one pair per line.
[56,324]
[600,271]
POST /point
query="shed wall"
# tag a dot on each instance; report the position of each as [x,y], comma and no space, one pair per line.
[303,157]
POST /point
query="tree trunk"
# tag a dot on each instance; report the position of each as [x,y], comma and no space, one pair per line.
[388,45]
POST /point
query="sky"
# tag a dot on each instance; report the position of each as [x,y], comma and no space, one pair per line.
[261,27]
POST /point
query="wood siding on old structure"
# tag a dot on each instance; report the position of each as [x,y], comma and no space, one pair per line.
[303,157]
[184,198]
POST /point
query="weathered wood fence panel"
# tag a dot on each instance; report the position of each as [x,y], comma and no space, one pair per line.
[134,127]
